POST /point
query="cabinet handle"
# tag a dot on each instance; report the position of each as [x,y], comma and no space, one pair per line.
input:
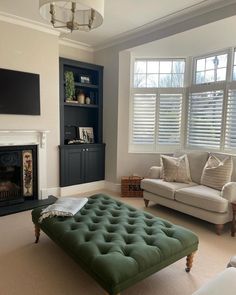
[86,150]
[83,150]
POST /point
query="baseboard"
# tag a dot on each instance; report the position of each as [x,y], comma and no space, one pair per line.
[111,186]
[54,191]
[82,188]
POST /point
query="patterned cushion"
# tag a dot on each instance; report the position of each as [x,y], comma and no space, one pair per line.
[216,172]
[176,169]
[117,244]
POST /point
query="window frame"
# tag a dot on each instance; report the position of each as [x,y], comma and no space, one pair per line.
[189,86]
[157,60]
[205,56]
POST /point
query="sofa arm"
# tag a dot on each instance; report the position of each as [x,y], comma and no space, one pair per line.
[229,191]
[154,172]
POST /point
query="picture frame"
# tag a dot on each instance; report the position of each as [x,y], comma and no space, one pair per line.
[86,134]
[85,79]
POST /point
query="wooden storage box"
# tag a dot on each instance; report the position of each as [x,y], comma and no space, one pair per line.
[130,186]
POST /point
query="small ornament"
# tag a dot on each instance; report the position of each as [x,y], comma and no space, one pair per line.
[88,100]
[81,98]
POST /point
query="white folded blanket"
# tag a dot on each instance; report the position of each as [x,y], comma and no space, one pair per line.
[63,207]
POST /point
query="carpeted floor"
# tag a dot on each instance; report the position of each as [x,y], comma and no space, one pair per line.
[30,269]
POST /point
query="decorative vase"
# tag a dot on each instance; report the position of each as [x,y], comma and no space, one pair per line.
[88,100]
[81,98]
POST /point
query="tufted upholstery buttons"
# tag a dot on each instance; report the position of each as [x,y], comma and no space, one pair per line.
[109,236]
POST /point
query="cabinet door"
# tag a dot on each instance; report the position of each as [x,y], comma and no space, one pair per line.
[94,163]
[72,166]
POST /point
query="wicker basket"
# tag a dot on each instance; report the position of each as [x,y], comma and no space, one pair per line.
[130,187]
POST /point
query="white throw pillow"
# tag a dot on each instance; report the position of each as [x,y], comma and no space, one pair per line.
[176,169]
[216,172]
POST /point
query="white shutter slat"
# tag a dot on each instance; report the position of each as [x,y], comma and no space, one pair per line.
[169,119]
[205,119]
[230,132]
[144,119]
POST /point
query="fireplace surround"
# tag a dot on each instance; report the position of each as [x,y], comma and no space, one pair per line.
[26,139]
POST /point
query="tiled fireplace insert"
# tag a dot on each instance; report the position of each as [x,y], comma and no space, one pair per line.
[18,174]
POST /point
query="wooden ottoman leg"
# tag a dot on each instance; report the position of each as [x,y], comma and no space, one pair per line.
[146,202]
[37,232]
[189,262]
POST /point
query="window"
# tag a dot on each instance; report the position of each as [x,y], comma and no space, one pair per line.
[169,119]
[144,119]
[210,69]
[156,105]
[205,117]
[158,100]
[234,66]
[230,133]
[156,121]
[159,73]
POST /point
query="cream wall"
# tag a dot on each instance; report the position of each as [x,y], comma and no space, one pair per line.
[29,50]
[76,53]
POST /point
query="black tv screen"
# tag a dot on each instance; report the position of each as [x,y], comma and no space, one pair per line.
[19,93]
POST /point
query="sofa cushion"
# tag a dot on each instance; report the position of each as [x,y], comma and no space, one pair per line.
[163,188]
[217,172]
[203,197]
[176,169]
[221,156]
[197,161]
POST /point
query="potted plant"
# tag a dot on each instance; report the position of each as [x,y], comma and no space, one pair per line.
[70,86]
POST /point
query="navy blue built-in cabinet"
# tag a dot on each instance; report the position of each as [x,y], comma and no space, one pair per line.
[81,162]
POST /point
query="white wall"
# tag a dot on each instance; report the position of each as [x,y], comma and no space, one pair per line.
[28,50]
[116,96]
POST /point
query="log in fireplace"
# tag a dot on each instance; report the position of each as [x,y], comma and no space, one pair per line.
[18,174]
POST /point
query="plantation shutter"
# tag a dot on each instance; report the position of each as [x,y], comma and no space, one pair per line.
[169,123]
[144,120]
[205,119]
[230,133]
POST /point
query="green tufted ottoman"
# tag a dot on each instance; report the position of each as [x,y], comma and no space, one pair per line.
[117,244]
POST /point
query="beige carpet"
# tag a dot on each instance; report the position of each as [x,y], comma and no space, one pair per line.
[44,269]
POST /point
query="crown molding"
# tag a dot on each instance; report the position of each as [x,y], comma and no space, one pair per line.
[196,10]
[25,22]
[75,44]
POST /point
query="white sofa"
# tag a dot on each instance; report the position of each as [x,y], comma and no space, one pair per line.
[194,199]
[223,283]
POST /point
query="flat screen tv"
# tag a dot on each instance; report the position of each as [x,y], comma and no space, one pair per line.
[19,93]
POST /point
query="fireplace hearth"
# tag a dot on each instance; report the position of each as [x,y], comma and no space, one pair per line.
[18,174]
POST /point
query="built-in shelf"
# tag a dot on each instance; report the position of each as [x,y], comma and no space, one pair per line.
[78,84]
[81,163]
[74,104]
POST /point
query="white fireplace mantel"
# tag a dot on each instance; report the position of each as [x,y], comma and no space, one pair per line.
[23,137]
[30,137]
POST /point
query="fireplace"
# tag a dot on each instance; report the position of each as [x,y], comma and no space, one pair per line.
[18,174]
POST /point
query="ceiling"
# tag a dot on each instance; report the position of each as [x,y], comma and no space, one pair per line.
[121,16]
